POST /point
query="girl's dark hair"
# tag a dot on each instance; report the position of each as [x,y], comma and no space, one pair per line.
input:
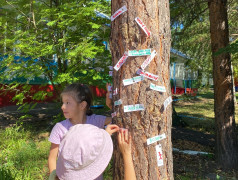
[80,93]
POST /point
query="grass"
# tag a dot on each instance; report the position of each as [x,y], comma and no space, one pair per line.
[22,154]
[198,112]
[24,149]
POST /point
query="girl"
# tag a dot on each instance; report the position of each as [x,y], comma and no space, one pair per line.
[77,99]
[86,157]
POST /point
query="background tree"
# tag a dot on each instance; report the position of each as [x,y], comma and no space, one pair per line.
[127,35]
[71,32]
[226,137]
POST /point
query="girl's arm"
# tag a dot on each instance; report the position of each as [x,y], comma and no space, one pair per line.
[54,149]
[124,140]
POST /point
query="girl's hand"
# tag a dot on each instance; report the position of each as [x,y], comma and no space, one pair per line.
[124,141]
[112,128]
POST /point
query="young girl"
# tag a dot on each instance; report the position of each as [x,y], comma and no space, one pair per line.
[77,99]
[86,157]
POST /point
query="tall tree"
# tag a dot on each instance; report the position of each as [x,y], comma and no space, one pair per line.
[155,120]
[226,138]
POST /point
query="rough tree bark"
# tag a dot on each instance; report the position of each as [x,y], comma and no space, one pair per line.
[226,139]
[154,120]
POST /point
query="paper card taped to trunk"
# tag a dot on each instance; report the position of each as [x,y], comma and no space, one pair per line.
[155,139]
[115,92]
[119,102]
[167,102]
[143,52]
[148,60]
[142,25]
[118,12]
[110,73]
[157,88]
[114,114]
[133,80]
[136,107]
[121,61]
[159,154]
[149,75]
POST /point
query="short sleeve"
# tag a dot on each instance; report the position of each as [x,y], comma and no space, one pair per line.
[96,120]
[57,133]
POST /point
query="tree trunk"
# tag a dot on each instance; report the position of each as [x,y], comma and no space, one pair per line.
[226,139]
[155,120]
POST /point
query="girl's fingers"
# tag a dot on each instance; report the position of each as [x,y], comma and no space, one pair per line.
[126,135]
[119,138]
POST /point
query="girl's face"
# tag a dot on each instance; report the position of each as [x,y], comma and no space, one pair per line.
[70,107]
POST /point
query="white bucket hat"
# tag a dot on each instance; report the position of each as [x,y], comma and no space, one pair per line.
[84,153]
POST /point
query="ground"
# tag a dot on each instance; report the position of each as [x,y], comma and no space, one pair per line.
[193,138]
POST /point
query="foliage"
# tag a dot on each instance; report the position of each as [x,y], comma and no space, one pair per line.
[191,32]
[21,155]
[55,42]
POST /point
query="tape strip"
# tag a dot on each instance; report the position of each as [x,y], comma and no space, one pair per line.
[167,102]
[119,102]
[149,75]
[159,154]
[142,25]
[133,80]
[118,12]
[136,107]
[143,52]
[148,60]
[121,61]
[155,139]
[157,88]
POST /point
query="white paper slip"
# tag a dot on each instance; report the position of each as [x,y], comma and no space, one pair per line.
[157,88]
[110,73]
[155,139]
[133,80]
[114,114]
[142,52]
[148,60]
[142,25]
[118,12]
[138,78]
[115,92]
[119,102]
[136,107]
[159,154]
[149,75]
[167,102]
[109,88]
[121,61]
[128,81]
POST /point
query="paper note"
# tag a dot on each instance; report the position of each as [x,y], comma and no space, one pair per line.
[115,92]
[142,25]
[133,80]
[149,75]
[167,102]
[114,114]
[143,52]
[110,68]
[136,107]
[155,139]
[159,154]
[110,73]
[148,60]
[157,88]
[109,88]
[127,81]
[121,61]
[118,12]
[119,102]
